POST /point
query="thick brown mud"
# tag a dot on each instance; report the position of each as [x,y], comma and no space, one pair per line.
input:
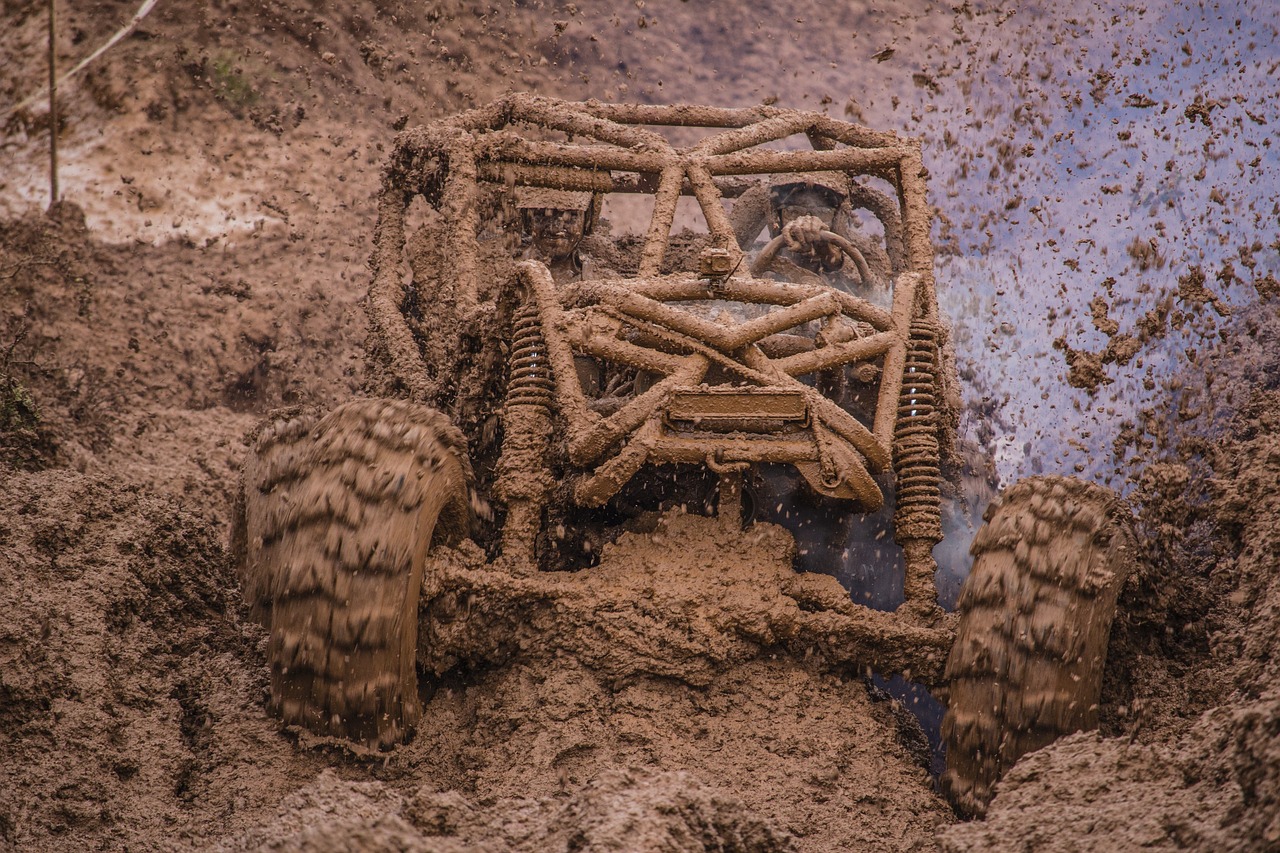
[226,160]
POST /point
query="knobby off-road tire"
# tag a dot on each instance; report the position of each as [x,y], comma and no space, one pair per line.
[1035,617]
[273,445]
[339,513]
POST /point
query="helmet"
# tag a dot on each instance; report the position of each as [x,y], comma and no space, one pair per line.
[834,186]
[546,198]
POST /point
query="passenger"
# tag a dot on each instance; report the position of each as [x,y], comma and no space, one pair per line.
[555,223]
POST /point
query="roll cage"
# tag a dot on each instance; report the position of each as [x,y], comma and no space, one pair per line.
[723,393]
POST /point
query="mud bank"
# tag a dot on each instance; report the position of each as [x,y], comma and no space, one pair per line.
[132,702]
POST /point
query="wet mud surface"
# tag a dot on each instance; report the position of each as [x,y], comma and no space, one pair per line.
[222,164]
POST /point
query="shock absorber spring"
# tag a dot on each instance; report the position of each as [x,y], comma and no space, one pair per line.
[530,382]
[524,481]
[916,461]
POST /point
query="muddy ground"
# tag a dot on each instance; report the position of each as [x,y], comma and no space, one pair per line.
[209,264]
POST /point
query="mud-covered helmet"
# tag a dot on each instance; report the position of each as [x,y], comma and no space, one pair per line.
[833,186]
[546,198]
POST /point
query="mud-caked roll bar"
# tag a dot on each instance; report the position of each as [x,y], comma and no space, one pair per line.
[613,151]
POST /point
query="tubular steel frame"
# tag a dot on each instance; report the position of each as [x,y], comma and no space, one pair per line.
[611,151]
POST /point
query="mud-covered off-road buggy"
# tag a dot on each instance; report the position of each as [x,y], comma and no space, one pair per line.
[515,413]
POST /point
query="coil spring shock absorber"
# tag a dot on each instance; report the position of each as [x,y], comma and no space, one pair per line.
[523,480]
[530,383]
[916,463]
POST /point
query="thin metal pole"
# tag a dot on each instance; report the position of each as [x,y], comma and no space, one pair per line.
[53,112]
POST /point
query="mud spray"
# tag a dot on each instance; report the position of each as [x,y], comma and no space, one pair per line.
[1111,219]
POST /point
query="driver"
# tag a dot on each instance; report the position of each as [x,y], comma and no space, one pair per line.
[803,210]
[808,216]
[555,223]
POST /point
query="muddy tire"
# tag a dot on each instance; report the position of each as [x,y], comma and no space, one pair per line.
[339,513]
[1035,617]
[279,437]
